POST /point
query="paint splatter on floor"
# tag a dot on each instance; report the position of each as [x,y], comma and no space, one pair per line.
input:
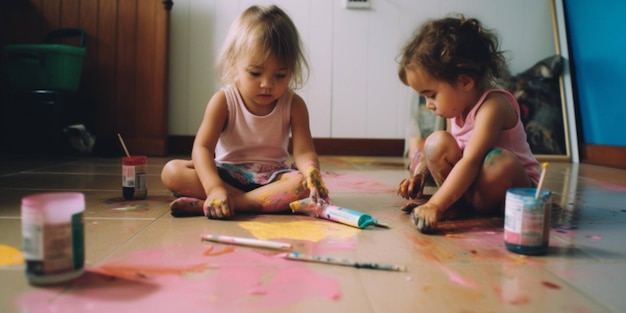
[550,285]
[132,207]
[350,182]
[185,278]
[312,230]
[10,256]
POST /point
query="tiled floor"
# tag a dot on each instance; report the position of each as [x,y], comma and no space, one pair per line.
[140,258]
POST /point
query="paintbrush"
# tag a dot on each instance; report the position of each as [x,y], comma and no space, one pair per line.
[251,242]
[343,262]
[119,136]
[542,178]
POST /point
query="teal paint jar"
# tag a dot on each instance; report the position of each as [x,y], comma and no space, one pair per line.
[527,221]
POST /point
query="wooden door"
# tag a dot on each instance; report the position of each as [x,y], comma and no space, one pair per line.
[125,74]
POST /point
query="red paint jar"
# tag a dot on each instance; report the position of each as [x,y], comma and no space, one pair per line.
[134,176]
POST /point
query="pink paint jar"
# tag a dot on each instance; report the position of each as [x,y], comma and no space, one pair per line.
[53,234]
[134,176]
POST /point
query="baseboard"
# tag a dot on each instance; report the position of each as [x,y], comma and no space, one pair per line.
[611,156]
[181,145]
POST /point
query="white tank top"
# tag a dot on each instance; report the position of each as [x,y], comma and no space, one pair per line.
[250,138]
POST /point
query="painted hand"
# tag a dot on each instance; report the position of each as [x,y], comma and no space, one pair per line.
[308,207]
[412,188]
[425,217]
[217,205]
[316,186]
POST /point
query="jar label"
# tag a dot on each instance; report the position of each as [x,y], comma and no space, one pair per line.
[134,176]
[53,248]
[525,221]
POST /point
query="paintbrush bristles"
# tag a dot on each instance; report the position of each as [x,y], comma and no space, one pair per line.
[542,178]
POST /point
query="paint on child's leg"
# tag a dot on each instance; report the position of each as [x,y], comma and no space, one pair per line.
[186,206]
[276,202]
[492,155]
[300,188]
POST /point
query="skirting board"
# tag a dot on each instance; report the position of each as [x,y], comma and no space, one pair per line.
[611,156]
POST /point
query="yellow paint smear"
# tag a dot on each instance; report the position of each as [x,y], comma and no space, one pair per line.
[10,256]
[313,230]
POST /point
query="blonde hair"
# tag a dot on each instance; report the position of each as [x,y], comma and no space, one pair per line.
[452,46]
[260,33]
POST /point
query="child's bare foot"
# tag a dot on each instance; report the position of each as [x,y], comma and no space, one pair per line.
[186,206]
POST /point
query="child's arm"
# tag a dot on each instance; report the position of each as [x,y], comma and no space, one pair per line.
[203,154]
[304,153]
[496,114]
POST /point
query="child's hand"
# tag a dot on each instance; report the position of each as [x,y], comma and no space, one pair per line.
[412,188]
[217,205]
[316,185]
[425,217]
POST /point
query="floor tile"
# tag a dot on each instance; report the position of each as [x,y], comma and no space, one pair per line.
[139,257]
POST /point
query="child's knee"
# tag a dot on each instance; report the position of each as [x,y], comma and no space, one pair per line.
[440,143]
[501,159]
[169,169]
[170,172]
[503,167]
[438,138]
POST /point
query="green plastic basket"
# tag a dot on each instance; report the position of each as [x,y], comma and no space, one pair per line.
[44,66]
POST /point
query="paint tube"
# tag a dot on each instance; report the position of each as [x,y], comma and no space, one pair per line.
[334,213]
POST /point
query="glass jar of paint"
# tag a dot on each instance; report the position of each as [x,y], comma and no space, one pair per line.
[134,176]
[53,235]
[527,221]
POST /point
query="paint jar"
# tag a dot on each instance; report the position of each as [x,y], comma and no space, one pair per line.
[527,221]
[134,176]
[53,235]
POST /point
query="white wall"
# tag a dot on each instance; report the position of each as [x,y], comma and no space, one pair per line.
[353,90]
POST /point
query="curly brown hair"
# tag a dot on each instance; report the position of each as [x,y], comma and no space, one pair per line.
[454,46]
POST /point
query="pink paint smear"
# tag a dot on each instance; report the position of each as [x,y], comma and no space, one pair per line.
[185,279]
[348,182]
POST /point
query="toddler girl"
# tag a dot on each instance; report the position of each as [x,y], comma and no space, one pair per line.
[238,161]
[454,63]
